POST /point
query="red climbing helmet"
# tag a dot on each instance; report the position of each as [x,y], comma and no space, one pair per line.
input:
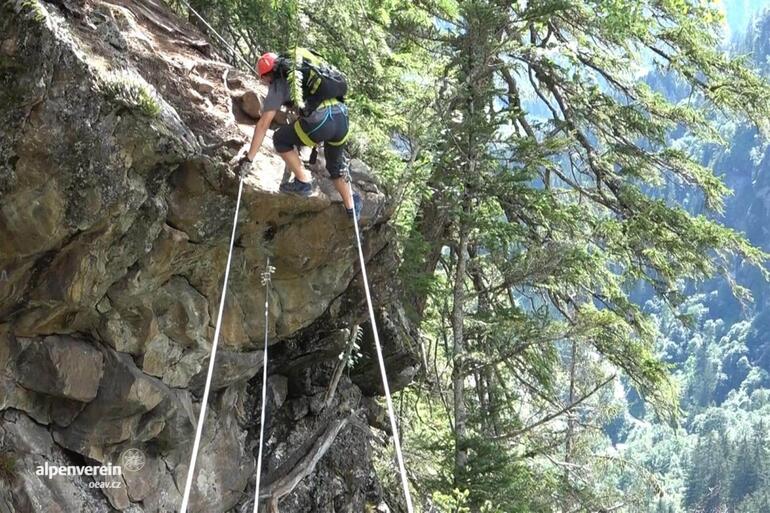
[266,63]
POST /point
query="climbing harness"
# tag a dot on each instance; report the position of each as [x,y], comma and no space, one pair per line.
[328,115]
[207,388]
[266,282]
[378,346]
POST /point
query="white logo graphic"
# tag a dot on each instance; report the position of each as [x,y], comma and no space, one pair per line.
[132,460]
[51,471]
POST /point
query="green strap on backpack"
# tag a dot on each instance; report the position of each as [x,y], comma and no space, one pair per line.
[312,80]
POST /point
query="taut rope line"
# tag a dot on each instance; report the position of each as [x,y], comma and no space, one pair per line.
[375,332]
[204,401]
[380,358]
[222,39]
[266,282]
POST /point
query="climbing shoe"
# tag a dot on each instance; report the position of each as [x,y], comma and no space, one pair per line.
[357,204]
[297,187]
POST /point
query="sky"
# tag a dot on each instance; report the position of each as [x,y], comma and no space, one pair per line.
[739,12]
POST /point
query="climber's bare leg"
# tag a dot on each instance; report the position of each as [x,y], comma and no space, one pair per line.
[295,165]
[343,188]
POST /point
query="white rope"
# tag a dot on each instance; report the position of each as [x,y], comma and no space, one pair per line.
[380,358]
[224,42]
[391,413]
[204,401]
[266,282]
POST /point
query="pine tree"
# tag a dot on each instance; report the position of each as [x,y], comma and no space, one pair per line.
[540,206]
[528,167]
[745,472]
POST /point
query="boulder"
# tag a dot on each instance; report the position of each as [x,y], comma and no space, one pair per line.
[125,394]
[230,367]
[251,103]
[60,366]
[33,449]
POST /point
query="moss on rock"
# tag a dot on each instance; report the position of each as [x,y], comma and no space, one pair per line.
[130,90]
[7,467]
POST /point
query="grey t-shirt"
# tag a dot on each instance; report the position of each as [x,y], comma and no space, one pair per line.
[277,95]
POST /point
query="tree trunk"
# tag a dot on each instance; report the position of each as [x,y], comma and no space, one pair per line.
[568,502]
[458,350]
[431,226]
[484,378]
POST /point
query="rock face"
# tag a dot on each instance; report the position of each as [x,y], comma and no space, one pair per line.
[117,125]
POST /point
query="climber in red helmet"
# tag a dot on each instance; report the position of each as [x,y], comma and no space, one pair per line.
[316,90]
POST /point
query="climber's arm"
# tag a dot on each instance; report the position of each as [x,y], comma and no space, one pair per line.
[259,133]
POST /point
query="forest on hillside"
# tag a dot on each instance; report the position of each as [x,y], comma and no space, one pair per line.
[582,200]
[717,460]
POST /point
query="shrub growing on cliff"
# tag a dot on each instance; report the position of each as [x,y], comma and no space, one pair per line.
[130,90]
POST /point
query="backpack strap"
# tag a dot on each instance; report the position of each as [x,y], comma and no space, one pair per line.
[305,62]
[309,77]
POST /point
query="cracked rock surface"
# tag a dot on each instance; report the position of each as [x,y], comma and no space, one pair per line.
[117,125]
